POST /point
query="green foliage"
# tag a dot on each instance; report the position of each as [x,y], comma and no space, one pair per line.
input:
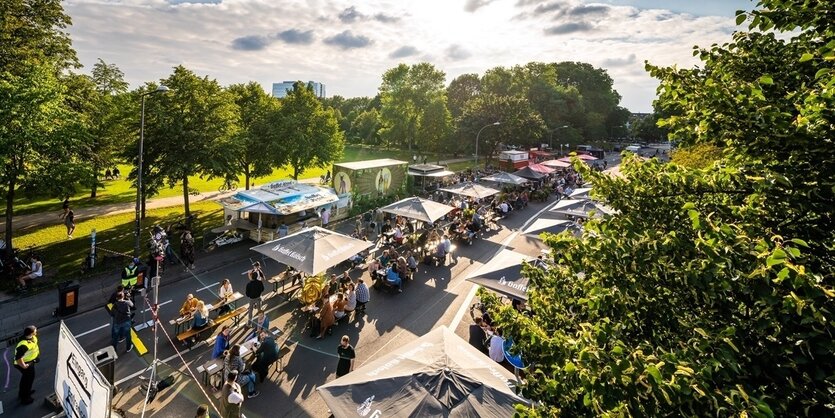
[519,123]
[188,130]
[407,95]
[33,119]
[247,147]
[697,156]
[710,293]
[305,133]
[34,30]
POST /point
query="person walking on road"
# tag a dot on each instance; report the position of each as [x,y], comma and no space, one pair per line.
[254,289]
[27,353]
[187,249]
[121,322]
[346,354]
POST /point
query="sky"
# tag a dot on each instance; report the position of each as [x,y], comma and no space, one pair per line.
[348,45]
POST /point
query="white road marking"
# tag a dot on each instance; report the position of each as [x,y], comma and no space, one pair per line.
[207,287]
[91,331]
[143,325]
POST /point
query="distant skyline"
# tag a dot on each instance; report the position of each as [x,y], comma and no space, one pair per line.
[348,45]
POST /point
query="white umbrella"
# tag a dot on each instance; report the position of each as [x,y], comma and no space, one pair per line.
[507,178]
[550,225]
[580,193]
[312,250]
[471,189]
[417,208]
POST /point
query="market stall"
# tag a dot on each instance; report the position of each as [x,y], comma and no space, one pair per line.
[282,208]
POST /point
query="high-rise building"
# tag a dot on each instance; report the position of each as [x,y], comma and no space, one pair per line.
[280,89]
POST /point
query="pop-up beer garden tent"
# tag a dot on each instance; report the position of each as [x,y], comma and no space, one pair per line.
[312,250]
[438,375]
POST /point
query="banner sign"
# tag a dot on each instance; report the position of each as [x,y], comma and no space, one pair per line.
[79,386]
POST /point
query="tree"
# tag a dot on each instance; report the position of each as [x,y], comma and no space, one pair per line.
[711,290]
[247,146]
[309,135]
[519,123]
[406,93]
[33,117]
[366,127]
[435,127]
[102,99]
[188,131]
[461,90]
[34,29]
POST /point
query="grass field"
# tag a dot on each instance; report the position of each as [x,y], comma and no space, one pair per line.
[120,190]
[62,257]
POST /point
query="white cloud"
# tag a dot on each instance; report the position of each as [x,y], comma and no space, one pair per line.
[267,41]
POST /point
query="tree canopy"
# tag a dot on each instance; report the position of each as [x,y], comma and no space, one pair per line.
[710,292]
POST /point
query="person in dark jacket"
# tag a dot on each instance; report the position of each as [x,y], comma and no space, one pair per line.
[254,289]
[265,355]
[121,321]
[477,335]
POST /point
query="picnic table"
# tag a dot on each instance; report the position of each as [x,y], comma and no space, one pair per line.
[219,303]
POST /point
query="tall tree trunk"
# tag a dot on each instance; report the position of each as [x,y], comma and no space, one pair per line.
[9,210]
[142,200]
[246,178]
[295,172]
[185,195]
[93,187]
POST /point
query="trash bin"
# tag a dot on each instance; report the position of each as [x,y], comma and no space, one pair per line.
[67,298]
[105,361]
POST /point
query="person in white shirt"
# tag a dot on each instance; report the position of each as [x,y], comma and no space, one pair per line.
[504,208]
[326,216]
[496,347]
[225,292]
[35,271]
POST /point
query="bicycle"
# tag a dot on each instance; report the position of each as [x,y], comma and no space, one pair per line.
[228,186]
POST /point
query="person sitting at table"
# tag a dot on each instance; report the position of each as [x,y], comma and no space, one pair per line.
[189,305]
[504,208]
[225,294]
[265,355]
[393,278]
[402,267]
[201,316]
[234,362]
[326,318]
[262,323]
[339,306]
[350,298]
[411,261]
[398,234]
[385,231]
[385,258]
[333,285]
[221,342]
[373,267]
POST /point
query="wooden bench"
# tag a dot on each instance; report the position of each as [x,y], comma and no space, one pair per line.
[214,368]
[191,332]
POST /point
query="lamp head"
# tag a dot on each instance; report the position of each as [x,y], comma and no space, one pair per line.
[162,89]
[496,123]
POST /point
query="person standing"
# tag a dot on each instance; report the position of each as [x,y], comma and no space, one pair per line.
[265,355]
[346,354]
[363,296]
[477,335]
[254,289]
[326,216]
[187,248]
[121,321]
[231,397]
[27,353]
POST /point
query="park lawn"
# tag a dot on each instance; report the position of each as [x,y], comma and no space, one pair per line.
[62,257]
[121,190]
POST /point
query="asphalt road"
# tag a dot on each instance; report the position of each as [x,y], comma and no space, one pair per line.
[437,296]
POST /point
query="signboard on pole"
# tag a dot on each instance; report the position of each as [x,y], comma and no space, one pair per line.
[80,387]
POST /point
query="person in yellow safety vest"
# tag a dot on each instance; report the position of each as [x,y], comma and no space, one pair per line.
[26,355]
[129,274]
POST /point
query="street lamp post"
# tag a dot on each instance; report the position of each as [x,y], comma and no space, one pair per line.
[551,137]
[138,226]
[476,139]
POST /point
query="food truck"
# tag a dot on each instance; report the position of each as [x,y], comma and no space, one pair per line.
[260,212]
